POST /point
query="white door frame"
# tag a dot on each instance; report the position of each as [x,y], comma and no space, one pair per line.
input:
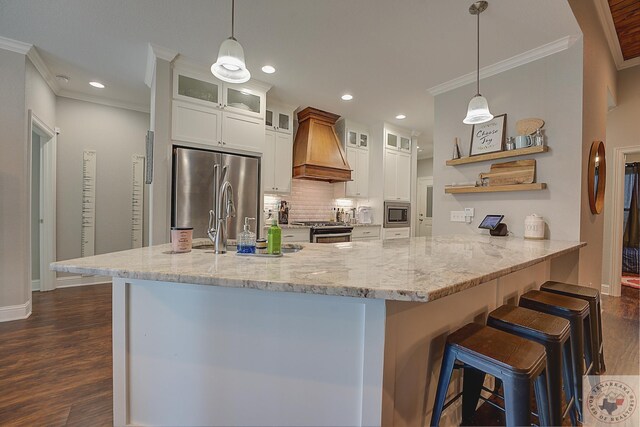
[617,228]
[426,181]
[48,150]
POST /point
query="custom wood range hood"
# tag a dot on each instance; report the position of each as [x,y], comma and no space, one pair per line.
[317,152]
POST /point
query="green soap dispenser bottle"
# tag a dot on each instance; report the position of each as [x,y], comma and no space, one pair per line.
[274,238]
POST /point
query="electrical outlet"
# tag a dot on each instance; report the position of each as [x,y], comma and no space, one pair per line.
[457,216]
[469,212]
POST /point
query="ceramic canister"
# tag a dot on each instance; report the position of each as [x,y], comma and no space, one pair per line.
[181,239]
[534,227]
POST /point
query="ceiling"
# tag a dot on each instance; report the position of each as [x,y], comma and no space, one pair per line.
[626,19]
[385,53]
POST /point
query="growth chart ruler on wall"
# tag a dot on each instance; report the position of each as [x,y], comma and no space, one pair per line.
[88,232]
[137,200]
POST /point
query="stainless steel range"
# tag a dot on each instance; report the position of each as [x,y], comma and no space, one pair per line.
[327,232]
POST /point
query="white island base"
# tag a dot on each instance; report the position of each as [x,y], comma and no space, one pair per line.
[206,355]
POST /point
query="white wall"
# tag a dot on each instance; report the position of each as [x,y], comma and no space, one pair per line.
[549,88]
[115,134]
[425,167]
[623,130]
[14,182]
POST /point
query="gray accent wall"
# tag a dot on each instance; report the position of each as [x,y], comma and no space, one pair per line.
[115,134]
[549,88]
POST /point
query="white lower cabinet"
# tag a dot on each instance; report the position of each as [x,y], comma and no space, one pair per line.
[277,162]
[396,233]
[365,232]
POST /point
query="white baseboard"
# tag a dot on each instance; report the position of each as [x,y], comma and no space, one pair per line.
[72,281]
[35,285]
[15,312]
[604,289]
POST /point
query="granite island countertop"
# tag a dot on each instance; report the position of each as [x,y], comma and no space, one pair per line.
[417,269]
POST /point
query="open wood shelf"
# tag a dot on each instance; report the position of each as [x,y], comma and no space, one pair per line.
[499,155]
[496,188]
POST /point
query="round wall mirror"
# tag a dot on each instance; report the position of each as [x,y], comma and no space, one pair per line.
[597,177]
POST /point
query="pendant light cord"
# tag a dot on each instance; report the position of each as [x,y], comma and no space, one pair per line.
[478,58]
[233,20]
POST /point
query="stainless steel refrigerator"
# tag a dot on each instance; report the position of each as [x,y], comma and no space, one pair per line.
[192,188]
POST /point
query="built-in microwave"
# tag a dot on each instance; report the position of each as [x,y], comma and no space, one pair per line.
[397,214]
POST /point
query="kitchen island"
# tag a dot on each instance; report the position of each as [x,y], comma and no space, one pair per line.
[342,334]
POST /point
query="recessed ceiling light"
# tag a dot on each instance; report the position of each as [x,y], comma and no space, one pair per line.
[401,117]
[418,146]
[63,78]
[268,69]
[347,97]
[97,84]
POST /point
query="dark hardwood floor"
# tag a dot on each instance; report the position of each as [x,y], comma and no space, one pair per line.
[55,367]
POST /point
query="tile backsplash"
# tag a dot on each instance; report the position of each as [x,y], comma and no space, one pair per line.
[308,201]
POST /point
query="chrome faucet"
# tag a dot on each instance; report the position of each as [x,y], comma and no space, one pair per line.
[224,209]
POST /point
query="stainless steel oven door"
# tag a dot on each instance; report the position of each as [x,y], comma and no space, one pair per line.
[331,238]
[397,215]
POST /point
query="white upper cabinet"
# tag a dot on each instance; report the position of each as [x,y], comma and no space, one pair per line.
[210,112]
[242,132]
[277,160]
[397,166]
[196,123]
[278,120]
[355,139]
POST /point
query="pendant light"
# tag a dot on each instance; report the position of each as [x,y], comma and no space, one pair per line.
[230,66]
[478,111]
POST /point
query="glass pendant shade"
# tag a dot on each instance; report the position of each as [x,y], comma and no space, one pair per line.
[230,66]
[478,111]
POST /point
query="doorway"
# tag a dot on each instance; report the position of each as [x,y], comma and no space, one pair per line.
[621,155]
[425,206]
[42,209]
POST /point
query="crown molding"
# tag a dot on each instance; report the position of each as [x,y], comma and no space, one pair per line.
[609,28]
[155,52]
[14,45]
[507,64]
[42,68]
[103,101]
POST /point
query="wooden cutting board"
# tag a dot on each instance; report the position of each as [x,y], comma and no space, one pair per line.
[528,126]
[509,173]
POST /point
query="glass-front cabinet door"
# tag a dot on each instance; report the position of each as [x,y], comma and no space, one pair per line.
[243,100]
[405,144]
[285,122]
[198,90]
[392,140]
[352,138]
[363,140]
[268,119]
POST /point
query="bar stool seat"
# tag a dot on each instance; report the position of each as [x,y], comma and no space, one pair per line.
[576,311]
[516,361]
[553,333]
[593,297]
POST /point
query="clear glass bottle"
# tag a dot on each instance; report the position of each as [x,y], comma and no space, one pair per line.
[538,137]
[246,243]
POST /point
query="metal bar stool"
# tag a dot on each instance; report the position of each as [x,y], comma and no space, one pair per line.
[593,297]
[516,361]
[553,333]
[576,311]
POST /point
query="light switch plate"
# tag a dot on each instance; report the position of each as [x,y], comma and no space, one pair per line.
[457,216]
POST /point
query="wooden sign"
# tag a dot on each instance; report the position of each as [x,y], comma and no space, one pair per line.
[488,137]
